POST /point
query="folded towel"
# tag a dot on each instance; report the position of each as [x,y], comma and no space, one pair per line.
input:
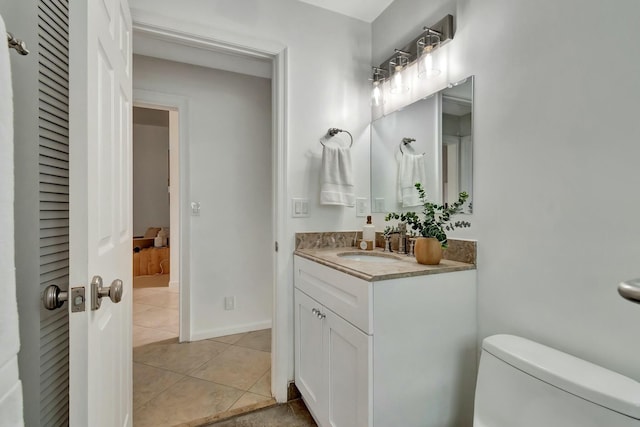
[410,170]
[337,177]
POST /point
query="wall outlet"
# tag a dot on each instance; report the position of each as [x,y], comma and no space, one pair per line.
[229,303]
[361,206]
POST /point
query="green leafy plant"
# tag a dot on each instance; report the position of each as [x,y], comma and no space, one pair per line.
[436,219]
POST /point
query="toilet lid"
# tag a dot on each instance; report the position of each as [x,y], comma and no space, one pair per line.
[571,374]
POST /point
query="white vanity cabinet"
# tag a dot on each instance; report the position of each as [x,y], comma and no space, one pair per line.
[398,352]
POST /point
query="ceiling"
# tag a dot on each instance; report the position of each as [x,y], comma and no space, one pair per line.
[365,10]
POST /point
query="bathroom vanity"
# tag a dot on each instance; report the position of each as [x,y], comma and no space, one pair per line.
[384,342]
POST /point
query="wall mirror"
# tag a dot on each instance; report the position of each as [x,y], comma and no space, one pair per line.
[430,141]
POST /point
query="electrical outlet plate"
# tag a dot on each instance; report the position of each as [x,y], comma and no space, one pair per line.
[379,204]
[361,206]
[299,207]
[229,303]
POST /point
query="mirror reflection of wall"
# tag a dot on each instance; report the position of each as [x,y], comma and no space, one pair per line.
[442,126]
[457,145]
[417,121]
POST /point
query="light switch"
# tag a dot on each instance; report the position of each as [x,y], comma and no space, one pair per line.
[379,205]
[299,207]
[195,208]
[361,206]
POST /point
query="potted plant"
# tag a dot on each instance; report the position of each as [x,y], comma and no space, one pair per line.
[432,226]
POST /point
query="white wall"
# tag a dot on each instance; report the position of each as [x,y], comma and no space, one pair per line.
[229,147]
[328,67]
[555,164]
[150,177]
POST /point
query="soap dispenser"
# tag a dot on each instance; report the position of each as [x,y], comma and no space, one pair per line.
[369,234]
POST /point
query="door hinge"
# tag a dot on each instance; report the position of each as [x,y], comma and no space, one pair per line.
[276,246]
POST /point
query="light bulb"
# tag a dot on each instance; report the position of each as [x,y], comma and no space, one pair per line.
[397,84]
[376,95]
[426,68]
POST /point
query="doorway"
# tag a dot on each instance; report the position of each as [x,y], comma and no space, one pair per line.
[155,284]
[225,177]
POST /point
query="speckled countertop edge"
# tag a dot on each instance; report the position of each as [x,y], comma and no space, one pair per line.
[372,271]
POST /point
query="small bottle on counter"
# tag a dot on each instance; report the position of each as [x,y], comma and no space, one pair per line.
[368,235]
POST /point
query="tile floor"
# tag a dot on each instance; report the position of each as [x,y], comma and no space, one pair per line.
[176,383]
[291,414]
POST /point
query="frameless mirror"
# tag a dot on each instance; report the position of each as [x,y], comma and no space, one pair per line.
[429,141]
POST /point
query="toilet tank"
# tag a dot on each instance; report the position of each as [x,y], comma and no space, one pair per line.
[525,384]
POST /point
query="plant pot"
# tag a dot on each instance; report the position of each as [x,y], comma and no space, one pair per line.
[428,251]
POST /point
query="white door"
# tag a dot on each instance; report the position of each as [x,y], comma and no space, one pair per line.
[100,210]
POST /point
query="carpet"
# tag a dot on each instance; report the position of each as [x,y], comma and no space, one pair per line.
[151,281]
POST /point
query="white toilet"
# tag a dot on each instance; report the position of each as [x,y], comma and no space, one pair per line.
[525,384]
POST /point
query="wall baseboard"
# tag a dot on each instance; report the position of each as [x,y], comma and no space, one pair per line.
[230,330]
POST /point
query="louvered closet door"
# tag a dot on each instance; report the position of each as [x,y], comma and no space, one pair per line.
[53,123]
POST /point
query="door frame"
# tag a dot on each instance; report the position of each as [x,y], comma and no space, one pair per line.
[163,28]
[181,236]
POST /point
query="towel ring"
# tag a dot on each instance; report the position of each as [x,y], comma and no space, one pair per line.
[333,132]
[406,141]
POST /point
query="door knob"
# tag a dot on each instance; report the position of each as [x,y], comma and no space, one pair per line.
[53,297]
[114,292]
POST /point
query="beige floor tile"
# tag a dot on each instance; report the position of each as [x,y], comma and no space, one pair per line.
[143,292]
[139,308]
[237,367]
[148,382]
[165,319]
[187,400]
[257,340]
[143,336]
[229,339]
[263,385]
[249,399]
[176,357]
[160,299]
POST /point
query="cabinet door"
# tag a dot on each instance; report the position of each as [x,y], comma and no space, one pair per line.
[309,364]
[348,355]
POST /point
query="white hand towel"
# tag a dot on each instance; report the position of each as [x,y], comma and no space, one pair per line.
[337,177]
[411,169]
[10,387]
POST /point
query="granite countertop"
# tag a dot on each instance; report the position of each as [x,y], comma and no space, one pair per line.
[405,266]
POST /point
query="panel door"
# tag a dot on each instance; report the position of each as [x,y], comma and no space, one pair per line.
[100,210]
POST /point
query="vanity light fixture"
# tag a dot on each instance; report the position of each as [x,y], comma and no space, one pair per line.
[377,94]
[425,47]
[420,49]
[396,65]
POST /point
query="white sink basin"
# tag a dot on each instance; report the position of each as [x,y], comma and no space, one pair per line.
[368,257]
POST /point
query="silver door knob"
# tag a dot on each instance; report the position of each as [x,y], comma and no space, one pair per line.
[53,297]
[114,292]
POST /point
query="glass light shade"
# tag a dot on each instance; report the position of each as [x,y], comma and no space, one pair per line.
[377,95]
[396,80]
[426,66]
